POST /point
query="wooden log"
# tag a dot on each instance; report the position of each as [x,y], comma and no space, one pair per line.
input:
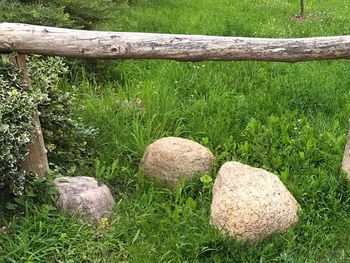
[30,39]
[36,160]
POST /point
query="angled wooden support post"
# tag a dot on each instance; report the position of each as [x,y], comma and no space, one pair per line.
[346,156]
[36,159]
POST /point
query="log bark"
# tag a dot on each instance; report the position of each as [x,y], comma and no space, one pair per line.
[30,39]
[36,160]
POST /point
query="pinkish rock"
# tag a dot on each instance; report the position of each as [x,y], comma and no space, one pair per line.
[251,203]
[170,159]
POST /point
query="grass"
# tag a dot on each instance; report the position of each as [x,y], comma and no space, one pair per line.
[290,119]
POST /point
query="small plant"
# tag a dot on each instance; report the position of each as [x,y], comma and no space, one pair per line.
[67,139]
[207,181]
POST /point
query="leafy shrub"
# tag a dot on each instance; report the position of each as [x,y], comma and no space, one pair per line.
[66,138]
[16,114]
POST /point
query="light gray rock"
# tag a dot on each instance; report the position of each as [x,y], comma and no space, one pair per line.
[169,159]
[251,203]
[84,196]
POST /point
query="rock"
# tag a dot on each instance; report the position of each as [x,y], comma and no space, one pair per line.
[84,196]
[251,203]
[170,159]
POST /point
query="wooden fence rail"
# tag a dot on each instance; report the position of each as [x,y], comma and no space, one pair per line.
[42,40]
[31,39]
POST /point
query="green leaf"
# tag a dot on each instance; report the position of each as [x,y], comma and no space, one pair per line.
[11,206]
[191,203]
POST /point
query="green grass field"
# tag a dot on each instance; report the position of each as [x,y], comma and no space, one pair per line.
[290,119]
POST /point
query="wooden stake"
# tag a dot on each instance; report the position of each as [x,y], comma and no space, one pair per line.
[36,159]
[302,7]
[346,157]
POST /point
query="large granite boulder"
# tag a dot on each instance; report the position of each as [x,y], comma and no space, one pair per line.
[251,203]
[170,159]
[84,196]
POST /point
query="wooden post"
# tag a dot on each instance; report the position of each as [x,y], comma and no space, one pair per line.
[346,156]
[36,159]
[302,7]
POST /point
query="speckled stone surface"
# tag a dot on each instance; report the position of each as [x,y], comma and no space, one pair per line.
[251,203]
[83,196]
[170,158]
